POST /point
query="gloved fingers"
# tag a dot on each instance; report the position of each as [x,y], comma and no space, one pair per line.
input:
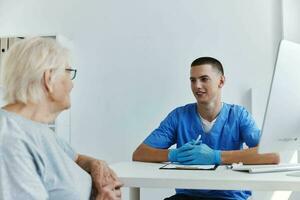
[186,153]
[188,144]
[185,159]
[198,142]
[205,149]
[192,142]
[204,146]
[185,147]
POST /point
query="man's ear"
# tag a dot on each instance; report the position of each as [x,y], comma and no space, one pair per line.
[47,81]
[222,81]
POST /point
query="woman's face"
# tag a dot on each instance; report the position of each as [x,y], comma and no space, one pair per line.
[62,87]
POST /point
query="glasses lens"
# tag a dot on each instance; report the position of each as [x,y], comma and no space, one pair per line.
[72,73]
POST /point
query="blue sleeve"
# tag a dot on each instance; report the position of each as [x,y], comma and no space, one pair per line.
[67,148]
[248,129]
[21,172]
[165,135]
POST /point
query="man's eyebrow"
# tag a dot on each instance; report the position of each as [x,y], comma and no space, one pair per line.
[203,76]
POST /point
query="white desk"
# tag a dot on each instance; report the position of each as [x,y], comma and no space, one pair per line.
[136,175]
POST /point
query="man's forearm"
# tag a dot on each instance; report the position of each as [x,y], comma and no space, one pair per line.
[249,156]
[149,154]
[246,156]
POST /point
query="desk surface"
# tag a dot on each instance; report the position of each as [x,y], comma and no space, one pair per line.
[148,175]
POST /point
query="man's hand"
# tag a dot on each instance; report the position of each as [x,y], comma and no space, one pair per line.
[173,153]
[201,154]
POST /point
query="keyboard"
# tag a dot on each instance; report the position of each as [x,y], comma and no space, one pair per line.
[265,168]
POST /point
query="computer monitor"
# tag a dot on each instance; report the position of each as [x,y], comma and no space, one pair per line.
[281,124]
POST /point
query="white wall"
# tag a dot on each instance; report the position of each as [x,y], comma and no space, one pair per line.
[133,58]
[291,16]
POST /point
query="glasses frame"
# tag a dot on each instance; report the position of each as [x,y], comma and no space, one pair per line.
[72,70]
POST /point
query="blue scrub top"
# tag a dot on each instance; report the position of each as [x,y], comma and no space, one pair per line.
[233,127]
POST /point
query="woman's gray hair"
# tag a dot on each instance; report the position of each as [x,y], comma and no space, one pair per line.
[24,65]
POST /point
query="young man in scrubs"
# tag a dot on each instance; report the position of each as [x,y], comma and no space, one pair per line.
[223,128]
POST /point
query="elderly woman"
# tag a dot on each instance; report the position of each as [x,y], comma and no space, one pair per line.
[34,162]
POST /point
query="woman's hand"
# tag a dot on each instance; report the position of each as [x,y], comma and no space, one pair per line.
[101,174]
[106,184]
[110,192]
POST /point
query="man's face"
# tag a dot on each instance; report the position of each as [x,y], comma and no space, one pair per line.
[206,83]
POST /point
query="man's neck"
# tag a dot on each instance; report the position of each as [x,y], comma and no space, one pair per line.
[209,111]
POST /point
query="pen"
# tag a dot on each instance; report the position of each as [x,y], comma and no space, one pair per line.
[198,139]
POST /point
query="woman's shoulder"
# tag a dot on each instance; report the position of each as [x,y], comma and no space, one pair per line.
[9,128]
[16,138]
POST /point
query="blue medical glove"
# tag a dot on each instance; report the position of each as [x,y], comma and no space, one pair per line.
[194,142]
[199,155]
[173,153]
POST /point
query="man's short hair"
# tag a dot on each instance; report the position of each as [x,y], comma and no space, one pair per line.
[209,60]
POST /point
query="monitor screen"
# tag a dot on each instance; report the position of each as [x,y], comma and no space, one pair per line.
[281,124]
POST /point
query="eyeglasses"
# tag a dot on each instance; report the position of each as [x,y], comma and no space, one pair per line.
[72,73]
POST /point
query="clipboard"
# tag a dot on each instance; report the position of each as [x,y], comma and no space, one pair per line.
[172,166]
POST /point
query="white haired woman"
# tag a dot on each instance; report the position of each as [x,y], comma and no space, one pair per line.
[34,162]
